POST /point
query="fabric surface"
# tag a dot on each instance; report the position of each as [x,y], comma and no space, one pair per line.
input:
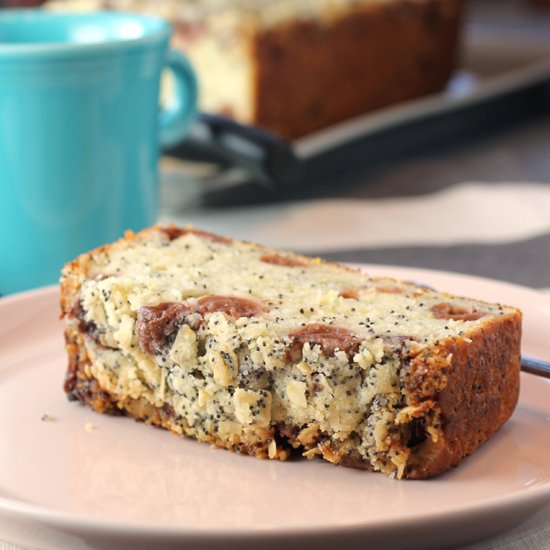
[534,534]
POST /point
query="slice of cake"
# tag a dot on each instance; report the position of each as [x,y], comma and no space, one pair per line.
[298,67]
[267,353]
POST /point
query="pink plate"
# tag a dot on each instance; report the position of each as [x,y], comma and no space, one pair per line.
[81,480]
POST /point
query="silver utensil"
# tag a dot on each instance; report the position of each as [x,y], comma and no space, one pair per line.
[535,366]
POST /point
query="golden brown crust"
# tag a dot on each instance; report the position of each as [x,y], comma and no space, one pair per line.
[379,55]
[481,391]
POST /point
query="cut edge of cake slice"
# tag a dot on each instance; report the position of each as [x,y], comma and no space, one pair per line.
[268,353]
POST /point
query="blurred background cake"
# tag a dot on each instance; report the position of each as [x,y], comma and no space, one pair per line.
[297,67]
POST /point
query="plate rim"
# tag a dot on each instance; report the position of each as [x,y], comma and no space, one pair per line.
[532,498]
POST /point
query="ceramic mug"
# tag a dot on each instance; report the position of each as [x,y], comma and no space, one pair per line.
[80,132]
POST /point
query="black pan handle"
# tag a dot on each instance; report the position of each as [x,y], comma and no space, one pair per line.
[268,159]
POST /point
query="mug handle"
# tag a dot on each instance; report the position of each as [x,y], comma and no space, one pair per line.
[177,116]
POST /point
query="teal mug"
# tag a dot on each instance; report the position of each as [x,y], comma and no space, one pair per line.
[80,133]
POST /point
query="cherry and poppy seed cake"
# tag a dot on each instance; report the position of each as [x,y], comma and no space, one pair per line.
[269,353]
[298,66]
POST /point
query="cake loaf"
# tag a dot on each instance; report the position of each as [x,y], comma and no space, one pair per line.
[269,353]
[295,67]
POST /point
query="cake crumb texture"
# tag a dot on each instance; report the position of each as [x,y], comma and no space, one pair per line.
[269,353]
